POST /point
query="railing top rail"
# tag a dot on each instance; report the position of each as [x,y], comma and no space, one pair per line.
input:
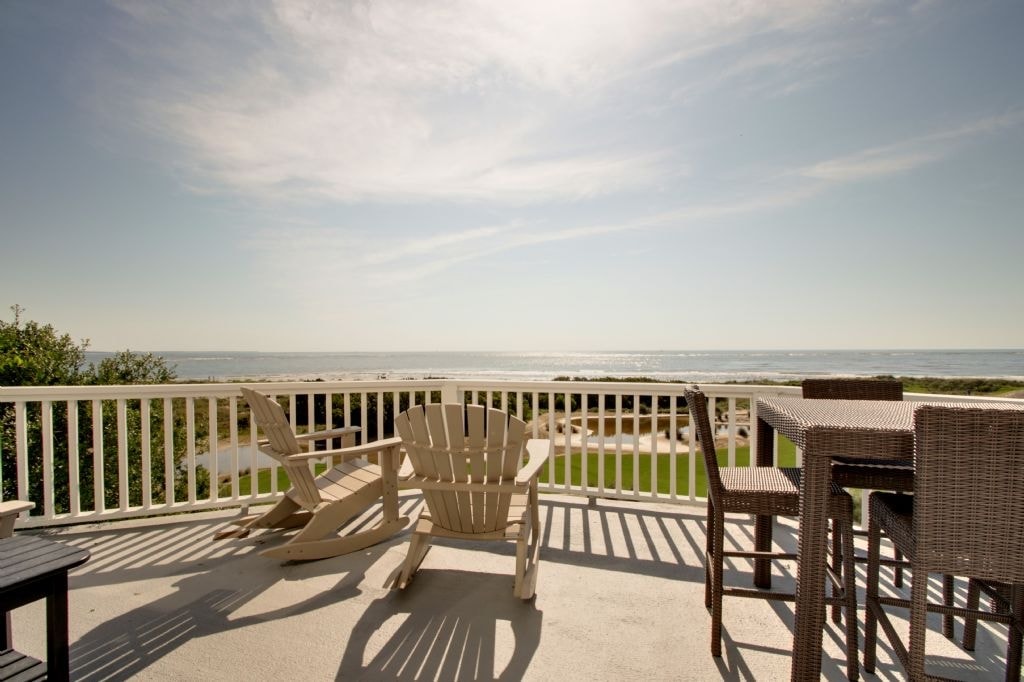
[185,390]
[10,394]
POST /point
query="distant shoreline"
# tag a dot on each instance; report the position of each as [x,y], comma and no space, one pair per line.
[680,366]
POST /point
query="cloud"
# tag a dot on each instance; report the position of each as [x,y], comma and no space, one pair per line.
[400,100]
[907,155]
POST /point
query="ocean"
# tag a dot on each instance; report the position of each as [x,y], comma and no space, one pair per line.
[697,366]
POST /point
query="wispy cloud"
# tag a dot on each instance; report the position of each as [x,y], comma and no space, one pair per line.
[908,154]
[403,262]
[400,100]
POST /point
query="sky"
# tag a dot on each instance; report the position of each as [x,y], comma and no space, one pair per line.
[576,175]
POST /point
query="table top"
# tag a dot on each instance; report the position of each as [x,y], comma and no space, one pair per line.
[872,429]
[27,557]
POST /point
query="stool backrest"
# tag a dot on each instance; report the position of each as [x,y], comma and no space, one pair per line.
[969,491]
[853,389]
[700,425]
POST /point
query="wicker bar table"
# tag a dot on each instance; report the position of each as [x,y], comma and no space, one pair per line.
[862,429]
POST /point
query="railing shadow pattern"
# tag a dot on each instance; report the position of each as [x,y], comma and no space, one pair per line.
[176,587]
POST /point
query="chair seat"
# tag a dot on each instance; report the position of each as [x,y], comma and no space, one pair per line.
[892,475]
[771,490]
[347,478]
[895,515]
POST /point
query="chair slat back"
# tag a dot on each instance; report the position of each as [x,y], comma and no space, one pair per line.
[273,422]
[700,423]
[969,492]
[852,389]
[453,444]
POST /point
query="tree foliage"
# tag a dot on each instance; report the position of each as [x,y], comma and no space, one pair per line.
[34,354]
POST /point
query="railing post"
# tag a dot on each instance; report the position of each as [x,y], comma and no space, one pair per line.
[450,392]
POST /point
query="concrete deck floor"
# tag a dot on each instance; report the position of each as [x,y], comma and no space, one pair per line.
[620,596]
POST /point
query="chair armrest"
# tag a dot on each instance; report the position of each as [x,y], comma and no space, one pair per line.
[539,450]
[351,452]
[9,511]
[330,433]
[15,507]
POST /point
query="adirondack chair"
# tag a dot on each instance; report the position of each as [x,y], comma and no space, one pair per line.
[321,505]
[466,462]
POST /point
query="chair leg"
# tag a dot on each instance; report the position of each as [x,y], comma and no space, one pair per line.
[897,571]
[947,599]
[708,554]
[418,546]
[850,598]
[871,599]
[1013,647]
[918,623]
[718,566]
[528,553]
[971,622]
[838,562]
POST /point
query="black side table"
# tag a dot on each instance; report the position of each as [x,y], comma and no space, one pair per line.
[32,568]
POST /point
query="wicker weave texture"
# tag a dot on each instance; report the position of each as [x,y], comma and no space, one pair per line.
[764,491]
[969,494]
[964,519]
[852,389]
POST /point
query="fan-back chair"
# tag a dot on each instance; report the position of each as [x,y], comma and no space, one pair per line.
[322,504]
[467,461]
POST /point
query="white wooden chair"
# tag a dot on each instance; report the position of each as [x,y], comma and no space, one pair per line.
[467,463]
[321,505]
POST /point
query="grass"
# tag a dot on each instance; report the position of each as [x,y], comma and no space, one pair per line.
[787,457]
[263,481]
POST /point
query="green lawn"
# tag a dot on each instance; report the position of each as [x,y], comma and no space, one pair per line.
[263,481]
[787,457]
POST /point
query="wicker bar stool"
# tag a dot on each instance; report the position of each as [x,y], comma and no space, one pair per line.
[888,475]
[963,519]
[764,491]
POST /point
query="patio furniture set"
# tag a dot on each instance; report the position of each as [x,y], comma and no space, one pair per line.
[968,461]
[478,473]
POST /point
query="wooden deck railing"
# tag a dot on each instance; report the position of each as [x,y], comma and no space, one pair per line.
[96,453]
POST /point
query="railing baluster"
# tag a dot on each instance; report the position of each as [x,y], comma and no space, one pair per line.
[654,445]
[254,457]
[146,443]
[636,443]
[731,430]
[233,437]
[602,433]
[214,442]
[584,440]
[74,499]
[551,436]
[21,448]
[618,443]
[691,439]
[567,440]
[169,452]
[46,419]
[673,436]
[99,501]
[122,454]
[190,445]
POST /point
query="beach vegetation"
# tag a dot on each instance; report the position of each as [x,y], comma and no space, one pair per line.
[34,354]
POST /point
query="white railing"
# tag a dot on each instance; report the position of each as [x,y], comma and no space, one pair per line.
[96,453]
